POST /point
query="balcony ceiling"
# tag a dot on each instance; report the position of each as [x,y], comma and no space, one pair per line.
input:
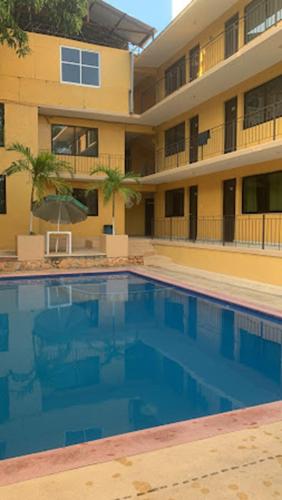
[262,53]
[249,156]
[194,19]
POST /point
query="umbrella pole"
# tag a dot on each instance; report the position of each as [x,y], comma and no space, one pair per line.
[58,228]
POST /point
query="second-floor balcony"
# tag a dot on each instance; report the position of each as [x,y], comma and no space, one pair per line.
[249,134]
[238,33]
[242,135]
[84,165]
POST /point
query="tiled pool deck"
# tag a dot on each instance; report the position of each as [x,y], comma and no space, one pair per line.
[237,455]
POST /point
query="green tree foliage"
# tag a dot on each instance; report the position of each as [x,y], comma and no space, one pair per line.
[116,183]
[44,171]
[63,17]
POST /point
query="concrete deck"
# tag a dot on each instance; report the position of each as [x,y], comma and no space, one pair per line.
[260,295]
[244,465]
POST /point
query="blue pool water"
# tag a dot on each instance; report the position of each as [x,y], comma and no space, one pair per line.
[88,357]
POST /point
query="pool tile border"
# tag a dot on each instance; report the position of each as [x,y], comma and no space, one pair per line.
[225,297]
[114,448]
[63,459]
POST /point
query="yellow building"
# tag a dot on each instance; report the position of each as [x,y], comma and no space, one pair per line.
[198,113]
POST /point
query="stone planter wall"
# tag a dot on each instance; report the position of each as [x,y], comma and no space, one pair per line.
[8,265]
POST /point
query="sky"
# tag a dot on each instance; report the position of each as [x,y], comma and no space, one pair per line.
[156,13]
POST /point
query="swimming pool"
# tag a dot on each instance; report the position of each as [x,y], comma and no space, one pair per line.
[86,357]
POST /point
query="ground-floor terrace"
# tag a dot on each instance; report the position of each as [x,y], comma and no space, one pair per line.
[239,206]
[228,222]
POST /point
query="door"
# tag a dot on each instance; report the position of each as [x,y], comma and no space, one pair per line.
[149,216]
[193,212]
[229,207]
[194,132]
[230,136]
[231,36]
[194,62]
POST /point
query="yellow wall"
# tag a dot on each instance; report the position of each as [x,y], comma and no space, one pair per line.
[210,189]
[212,116]
[248,228]
[23,124]
[211,42]
[20,125]
[242,264]
[35,79]
[111,137]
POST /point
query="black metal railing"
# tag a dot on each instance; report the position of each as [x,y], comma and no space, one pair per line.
[262,231]
[234,37]
[262,126]
[85,164]
[139,166]
[259,127]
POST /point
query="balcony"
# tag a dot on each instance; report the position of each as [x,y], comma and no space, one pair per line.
[250,139]
[256,38]
[83,166]
[262,231]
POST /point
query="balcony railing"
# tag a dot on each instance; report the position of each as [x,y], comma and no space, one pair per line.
[263,231]
[254,129]
[222,46]
[85,164]
[141,167]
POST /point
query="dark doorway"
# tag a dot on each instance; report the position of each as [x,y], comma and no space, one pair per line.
[194,62]
[231,36]
[229,207]
[149,216]
[194,133]
[230,136]
[193,212]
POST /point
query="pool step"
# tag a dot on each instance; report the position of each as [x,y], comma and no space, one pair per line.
[157,260]
[141,247]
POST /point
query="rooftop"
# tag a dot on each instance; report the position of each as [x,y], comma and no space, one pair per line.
[104,25]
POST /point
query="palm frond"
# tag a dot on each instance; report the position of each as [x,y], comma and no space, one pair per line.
[45,169]
[116,182]
[130,195]
[23,150]
[17,167]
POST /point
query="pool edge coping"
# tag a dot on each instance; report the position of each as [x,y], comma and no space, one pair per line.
[60,460]
[223,297]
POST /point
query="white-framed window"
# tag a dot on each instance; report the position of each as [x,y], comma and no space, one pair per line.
[80,67]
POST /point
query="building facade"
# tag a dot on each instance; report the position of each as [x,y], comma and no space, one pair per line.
[198,114]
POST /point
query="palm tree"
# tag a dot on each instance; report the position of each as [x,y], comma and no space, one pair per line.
[114,184]
[44,171]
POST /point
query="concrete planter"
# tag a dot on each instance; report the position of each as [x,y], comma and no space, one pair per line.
[31,247]
[114,245]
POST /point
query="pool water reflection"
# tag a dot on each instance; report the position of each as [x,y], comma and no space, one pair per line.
[89,357]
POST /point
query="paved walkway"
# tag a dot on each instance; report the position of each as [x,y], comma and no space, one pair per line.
[259,294]
[243,465]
